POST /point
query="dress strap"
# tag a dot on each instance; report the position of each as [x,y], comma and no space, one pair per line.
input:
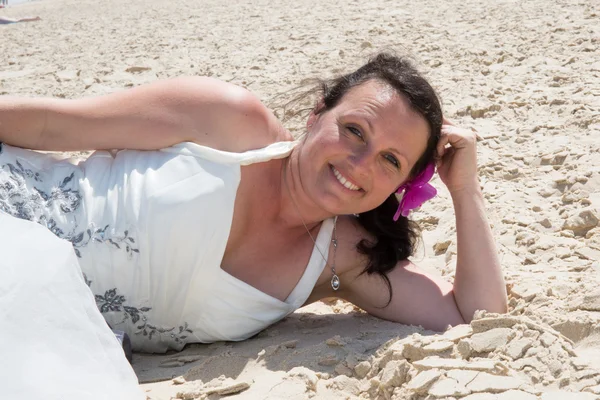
[315,266]
[273,151]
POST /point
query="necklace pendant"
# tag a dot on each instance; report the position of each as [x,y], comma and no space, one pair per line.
[335,282]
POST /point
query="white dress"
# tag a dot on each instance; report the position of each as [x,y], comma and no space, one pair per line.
[54,343]
[149,229]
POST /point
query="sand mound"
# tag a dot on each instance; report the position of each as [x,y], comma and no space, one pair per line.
[495,357]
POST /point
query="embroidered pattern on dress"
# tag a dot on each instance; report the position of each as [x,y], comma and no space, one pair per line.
[34,204]
[17,201]
[112,301]
[93,234]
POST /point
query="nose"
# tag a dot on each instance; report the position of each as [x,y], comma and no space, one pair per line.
[361,163]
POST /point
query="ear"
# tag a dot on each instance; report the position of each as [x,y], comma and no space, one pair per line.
[314,114]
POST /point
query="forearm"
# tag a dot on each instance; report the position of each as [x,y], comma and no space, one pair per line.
[478,282]
[22,121]
[114,121]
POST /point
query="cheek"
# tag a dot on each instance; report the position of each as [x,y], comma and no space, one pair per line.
[322,144]
[386,184]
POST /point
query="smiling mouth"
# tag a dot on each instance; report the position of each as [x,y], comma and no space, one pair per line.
[345,182]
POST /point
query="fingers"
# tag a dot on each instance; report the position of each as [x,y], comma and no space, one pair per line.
[447,124]
[451,135]
[446,121]
[441,146]
[456,134]
[454,138]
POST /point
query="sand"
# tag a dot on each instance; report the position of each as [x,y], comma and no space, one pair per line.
[524,74]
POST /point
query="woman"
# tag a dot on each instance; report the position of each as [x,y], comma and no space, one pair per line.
[7,20]
[228,224]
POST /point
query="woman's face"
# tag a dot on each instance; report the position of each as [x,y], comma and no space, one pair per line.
[358,153]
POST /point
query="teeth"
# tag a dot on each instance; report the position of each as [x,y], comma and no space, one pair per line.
[343,180]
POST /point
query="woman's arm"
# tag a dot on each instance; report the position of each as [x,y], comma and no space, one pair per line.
[421,298]
[478,281]
[418,298]
[152,116]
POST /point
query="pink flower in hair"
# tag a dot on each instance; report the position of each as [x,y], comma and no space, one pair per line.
[416,192]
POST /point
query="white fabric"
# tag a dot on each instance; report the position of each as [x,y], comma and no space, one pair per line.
[150,230]
[54,342]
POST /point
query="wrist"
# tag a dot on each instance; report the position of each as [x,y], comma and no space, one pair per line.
[470,190]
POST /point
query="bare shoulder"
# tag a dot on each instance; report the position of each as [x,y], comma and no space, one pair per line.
[160,114]
[235,119]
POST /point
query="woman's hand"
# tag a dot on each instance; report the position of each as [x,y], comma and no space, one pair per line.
[457,152]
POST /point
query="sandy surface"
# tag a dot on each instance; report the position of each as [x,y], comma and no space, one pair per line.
[525,74]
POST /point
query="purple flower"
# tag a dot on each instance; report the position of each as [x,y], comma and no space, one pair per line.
[416,192]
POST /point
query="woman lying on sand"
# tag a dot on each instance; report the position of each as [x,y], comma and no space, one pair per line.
[7,20]
[213,223]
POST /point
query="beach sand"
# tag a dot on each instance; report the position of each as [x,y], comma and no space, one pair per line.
[524,74]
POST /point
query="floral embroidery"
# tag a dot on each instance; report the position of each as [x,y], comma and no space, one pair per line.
[99,235]
[17,200]
[111,301]
[35,204]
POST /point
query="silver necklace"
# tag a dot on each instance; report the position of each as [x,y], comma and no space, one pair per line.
[335,279]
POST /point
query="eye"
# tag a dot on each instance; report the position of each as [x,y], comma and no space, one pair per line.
[392,160]
[355,131]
